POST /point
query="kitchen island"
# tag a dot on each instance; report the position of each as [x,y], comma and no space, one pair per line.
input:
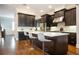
[58,44]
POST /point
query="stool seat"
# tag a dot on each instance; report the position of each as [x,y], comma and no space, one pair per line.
[42,38]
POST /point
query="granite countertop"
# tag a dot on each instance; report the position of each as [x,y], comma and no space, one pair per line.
[51,34]
[64,31]
[49,31]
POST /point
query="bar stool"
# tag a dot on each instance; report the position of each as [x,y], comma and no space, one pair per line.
[32,38]
[42,38]
[26,34]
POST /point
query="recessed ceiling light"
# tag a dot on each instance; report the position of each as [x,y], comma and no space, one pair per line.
[50,6]
[41,10]
[28,7]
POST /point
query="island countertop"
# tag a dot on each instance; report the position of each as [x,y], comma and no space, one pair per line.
[50,34]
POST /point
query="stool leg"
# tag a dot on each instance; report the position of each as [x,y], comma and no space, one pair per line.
[32,48]
[32,43]
[43,47]
[27,40]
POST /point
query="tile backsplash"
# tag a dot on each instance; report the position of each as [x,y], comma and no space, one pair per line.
[65,28]
[54,28]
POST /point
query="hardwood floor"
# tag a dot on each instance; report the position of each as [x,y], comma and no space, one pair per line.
[9,46]
[24,48]
[71,50]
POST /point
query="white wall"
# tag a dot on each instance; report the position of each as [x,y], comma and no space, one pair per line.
[77,25]
[7,13]
[6,23]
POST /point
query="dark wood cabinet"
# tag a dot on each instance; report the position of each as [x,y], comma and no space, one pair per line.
[25,20]
[21,36]
[56,17]
[70,17]
[57,46]
[53,24]
[46,19]
[43,19]
[48,46]
[72,38]
[21,19]
[59,13]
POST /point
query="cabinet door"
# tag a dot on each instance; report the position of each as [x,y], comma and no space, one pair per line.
[43,19]
[52,18]
[32,20]
[21,19]
[49,21]
[21,36]
[73,12]
[25,20]
[72,38]
[70,17]
[28,21]
[67,18]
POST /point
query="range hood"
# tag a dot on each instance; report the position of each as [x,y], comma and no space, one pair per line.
[58,19]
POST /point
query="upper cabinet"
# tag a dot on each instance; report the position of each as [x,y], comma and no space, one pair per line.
[59,16]
[53,23]
[59,13]
[67,16]
[21,19]
[70,17]
[46,19]
[25,20]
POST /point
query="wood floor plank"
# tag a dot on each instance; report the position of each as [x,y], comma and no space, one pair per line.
[10,46]
[25,49]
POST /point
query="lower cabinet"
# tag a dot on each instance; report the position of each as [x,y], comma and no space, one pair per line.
[57,46]
[21,36]
[72,39]
[47,48]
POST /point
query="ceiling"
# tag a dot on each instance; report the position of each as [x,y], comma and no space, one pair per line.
[37,7]
[9,9]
